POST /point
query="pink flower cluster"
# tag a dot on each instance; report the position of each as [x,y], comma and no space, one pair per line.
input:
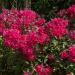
[27,73]
[40,69]
[57,27]
[64,54]
[70,54]
[18,17]
[72,34]
[43,70]
[22,30]
[71,11]
[24,42]
[11,36]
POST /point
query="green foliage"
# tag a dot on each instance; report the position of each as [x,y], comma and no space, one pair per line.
[11,62]
[49,8]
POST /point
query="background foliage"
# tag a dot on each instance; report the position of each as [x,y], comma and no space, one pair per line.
[47,8]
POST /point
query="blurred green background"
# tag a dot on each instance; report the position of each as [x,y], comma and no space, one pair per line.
[46,8]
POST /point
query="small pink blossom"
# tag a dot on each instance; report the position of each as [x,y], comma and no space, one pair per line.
[64,54]
[27,73]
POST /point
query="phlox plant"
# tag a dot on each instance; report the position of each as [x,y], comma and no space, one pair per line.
[29,45]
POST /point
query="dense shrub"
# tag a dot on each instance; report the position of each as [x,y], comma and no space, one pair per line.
[31,45]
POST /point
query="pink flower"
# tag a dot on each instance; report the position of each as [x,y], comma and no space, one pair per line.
[64,54]
[29,54]
[68,73]
[43,70]
[57,27]
[72,34]
[51,57]
[41,29]
[71,11]
[25,44]
[2,27]
[72,53]
[42,37]
[40,22]
[11,37]
[32,38]
[62,12]
[29,16]
[72,50]
[15,26]
[27,73]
